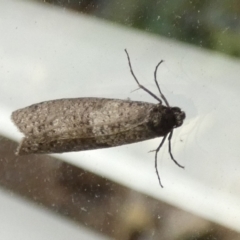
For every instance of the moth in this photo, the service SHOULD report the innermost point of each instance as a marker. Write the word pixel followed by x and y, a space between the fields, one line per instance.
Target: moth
pixel 78 124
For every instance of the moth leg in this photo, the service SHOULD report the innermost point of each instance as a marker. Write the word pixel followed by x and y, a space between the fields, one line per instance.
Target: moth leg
pixel 139 85
pixel 156 153
pixel 170 149
pixel 135 90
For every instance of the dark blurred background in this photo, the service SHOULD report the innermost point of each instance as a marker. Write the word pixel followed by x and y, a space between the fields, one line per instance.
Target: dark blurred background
pixel 212 24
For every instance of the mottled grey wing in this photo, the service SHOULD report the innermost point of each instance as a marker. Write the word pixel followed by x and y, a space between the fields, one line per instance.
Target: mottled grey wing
pixel 80 118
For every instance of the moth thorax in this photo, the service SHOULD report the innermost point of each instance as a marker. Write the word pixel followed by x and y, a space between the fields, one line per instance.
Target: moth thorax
pixel 156 115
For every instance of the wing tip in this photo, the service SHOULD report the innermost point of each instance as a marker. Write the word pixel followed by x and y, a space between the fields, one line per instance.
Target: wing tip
pixel 14 120
pixel 19 151
pixel 26 147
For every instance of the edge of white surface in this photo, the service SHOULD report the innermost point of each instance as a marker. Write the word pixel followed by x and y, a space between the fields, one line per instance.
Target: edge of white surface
pixel 38 221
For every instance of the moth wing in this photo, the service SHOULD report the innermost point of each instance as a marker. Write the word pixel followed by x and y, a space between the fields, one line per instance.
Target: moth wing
pixel 79 118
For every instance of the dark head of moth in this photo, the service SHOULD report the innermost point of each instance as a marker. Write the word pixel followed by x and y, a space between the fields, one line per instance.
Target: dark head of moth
pixel 78 124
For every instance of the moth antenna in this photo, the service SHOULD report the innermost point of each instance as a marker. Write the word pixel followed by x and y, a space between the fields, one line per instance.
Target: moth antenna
pixel 155 79
pixel 139 85
pixel 170 150
pixel 156 153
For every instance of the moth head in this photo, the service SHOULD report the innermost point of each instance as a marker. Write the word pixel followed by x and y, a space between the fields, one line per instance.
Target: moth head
pixel 179 116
